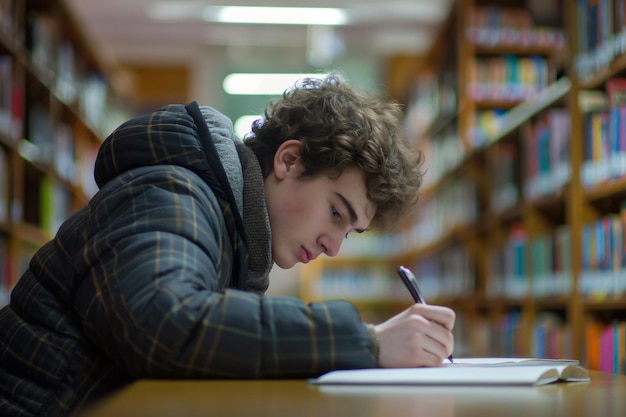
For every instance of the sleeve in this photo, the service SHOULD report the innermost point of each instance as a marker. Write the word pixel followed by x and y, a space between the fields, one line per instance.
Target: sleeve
pixel 155 298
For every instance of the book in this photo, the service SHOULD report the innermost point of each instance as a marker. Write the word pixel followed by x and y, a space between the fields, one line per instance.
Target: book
pixel 496 361
pixel 616 91
pixel 468 371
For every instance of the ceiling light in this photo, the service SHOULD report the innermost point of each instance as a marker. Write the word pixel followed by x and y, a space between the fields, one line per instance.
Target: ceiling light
pixel 173 10
pixel 263 84
pixel 412 12
pixel 276 15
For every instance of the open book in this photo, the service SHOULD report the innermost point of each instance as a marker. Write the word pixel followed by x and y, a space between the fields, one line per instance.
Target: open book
pixel 470 371
pixel 509 362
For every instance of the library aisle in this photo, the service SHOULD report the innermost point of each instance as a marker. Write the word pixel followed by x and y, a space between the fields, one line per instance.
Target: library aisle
pixel 520 110
pixel 56 105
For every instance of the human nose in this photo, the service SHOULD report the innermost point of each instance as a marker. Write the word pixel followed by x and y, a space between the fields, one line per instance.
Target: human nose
pixel 331 243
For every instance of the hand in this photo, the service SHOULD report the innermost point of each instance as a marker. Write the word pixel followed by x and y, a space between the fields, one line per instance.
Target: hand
pixel 421 335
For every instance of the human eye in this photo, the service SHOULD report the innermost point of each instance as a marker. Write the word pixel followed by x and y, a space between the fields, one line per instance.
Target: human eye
pixel 336 214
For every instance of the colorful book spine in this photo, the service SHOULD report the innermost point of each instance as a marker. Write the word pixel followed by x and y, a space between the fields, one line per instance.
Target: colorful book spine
pixel 552 337
pixel 504 168
pixel 516 283
pixel 605 138
pixel 546 147
pixel 606 346
pixel 54 204
pixel 603 258
pixel 6 95
pixel 508 78
pixel 600 27
pixel 493 25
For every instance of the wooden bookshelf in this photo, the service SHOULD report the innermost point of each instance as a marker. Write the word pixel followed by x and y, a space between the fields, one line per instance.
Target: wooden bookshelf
pixel 56 106
pixel 519 208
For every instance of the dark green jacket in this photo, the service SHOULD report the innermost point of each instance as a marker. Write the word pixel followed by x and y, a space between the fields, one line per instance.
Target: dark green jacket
pixel 152 280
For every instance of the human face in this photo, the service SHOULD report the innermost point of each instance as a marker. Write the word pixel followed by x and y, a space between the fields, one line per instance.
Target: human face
pixel 312 216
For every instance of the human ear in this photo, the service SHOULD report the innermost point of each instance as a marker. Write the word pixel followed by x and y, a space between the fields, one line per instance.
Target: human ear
pixel 286 159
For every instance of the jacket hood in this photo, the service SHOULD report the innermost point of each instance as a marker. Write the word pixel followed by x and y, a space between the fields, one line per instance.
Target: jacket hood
pixel 167 136
pixel 177 135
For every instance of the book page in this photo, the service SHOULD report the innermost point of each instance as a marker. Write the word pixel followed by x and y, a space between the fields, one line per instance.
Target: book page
pixel 509 361
pixel 459 375
pixel 573 373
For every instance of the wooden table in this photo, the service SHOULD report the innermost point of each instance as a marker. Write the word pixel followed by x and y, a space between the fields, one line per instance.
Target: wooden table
pixel 604 396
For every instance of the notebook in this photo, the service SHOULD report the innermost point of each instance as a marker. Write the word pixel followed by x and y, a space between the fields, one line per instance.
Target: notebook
pixel 468 371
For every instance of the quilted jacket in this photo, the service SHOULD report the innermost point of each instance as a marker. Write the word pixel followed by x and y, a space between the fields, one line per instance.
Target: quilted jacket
pixel 154 278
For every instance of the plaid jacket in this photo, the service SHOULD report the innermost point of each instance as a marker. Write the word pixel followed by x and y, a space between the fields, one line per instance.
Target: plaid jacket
pixel 145 282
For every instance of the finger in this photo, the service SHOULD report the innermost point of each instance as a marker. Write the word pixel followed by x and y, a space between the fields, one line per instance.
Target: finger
pixel 431 341
pixel 442 315
pixel 433 352
pixel 422 325
pixel 442 338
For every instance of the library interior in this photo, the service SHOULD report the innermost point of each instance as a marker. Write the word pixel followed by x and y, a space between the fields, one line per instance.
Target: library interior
pixel 520 226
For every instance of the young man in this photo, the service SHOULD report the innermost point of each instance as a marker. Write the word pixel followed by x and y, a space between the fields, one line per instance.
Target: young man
pixel 162 274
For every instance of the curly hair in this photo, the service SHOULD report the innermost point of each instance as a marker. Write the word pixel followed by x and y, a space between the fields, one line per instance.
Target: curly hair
pixel 341 128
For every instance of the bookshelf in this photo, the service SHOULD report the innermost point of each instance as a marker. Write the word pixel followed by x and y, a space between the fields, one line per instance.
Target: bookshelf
pixel 521 222
pixel 599 193
pixel 56 105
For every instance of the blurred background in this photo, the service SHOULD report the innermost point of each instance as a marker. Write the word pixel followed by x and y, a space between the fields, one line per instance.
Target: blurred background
pixel 176 51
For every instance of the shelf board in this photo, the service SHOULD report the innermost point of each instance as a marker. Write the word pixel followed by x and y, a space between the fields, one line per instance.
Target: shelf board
pixel 355 260
pixel 551 302
pixel 515 49
pixel 506 216
pixel 500 303
pixel 5 228
pixel 385 304
pixel 457 234
pixel 606 304
pixel 606 189
pixel 493 103
pixel 439 123
pixel 30 234
pixel 556 198
pixel 521 113
pixel 6 139
pixel 617 66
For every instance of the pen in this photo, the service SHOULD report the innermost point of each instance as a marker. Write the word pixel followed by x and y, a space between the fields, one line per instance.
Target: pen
pixel 411 284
